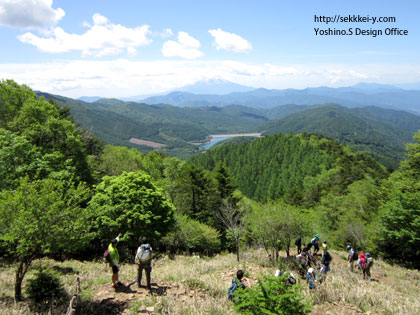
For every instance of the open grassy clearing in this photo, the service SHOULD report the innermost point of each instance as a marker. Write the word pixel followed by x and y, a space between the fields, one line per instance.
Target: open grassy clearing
pixel 188 285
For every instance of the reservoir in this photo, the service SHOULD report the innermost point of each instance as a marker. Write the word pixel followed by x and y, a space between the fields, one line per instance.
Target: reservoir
pixel 217 138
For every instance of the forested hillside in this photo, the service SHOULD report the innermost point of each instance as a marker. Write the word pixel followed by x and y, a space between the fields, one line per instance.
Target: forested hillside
pixel 381 133
pixel 291 166
pixel 116 122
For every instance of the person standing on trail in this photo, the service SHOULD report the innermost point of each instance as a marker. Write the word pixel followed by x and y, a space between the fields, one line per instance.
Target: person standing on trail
pixel 310 278
pixel 325 261
pixel 302 258
pixel 361 262
pixel 307 253
pixel 298 244
pixel 368 265
pixel 144 260
pixel 315 243
pixel 114 260
pixel 351 257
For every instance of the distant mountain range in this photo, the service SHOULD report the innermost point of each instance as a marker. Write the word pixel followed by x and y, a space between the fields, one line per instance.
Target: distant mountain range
pixel 363 94
pixel 219 92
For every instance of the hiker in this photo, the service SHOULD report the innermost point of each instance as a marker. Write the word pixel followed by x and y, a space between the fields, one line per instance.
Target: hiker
pixel 351 257
pixel 315 243
pixel 307 253
pixel 308 250
pixel 325 261
pixel 144 261
pixel 310 278
pixel 114 260
pixel 368 265
pixel 302 258
pixel 291 279
pixel 298 244
pixel 239 281
pixel 361 262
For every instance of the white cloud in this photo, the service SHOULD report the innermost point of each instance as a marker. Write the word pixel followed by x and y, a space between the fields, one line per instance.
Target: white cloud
pixel 29 13
pixel 186 47
pixel 123 78
pixel 229 41
pixel 101 39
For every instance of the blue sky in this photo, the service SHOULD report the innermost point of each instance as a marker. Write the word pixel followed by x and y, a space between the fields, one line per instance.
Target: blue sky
pixel 125 48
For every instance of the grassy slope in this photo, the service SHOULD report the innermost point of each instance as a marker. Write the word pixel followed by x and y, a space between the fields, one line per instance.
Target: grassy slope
pixel 199 286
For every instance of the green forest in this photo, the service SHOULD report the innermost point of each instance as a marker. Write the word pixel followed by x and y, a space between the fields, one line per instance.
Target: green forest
pixel 65 194
pixel 381 133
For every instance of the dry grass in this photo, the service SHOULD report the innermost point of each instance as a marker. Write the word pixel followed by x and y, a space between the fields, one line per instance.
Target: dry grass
pixel 199 286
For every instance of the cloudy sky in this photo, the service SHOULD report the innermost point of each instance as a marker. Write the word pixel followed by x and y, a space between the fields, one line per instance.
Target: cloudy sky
pixel 134 47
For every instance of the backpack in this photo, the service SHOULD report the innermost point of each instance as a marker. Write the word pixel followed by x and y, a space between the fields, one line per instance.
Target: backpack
pixel 327 258
pixel 107 256
pixel 369 262
pixel 354 257
pixel 298 241
pixel 145 254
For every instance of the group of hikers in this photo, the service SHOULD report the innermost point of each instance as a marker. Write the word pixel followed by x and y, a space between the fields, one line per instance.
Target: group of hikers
pixel 306 258
pixel 363 262
pixel 143 259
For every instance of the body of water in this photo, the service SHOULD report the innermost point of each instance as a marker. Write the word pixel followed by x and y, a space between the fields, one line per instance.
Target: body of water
pixel 217 138
pixel 214 140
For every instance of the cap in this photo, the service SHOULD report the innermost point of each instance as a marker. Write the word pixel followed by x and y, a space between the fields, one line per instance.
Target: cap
pixel 317 235
pixel 367 254
pixel 348 246
pixel 311 270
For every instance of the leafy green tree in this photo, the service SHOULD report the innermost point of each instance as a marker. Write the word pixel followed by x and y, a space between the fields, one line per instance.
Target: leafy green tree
pixel 193 236
pixel 275 225
pixel 399 237
pixel 41 218
pixel 114 160
pixel 46 125
pixel 20 158
pixel 131 204
pixel 271 295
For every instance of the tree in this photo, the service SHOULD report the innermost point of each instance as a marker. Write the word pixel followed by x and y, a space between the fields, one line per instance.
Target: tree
pixel 41 218
pixel 114 160
pixel 399 237
pixel 275 225
pixel 233 220
pixel 131 204
pixel 20 158
pixel 46 125
pixel 193 236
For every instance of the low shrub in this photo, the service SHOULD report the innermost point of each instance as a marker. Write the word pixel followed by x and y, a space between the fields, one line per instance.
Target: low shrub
pixel 271 295
pixel 45 289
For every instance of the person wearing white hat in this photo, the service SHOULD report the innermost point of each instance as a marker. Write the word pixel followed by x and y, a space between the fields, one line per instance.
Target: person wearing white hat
pixel 310 278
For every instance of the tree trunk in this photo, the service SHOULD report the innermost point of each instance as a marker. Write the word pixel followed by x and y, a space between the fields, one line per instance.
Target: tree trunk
pixel 237 249
pixel 20 274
